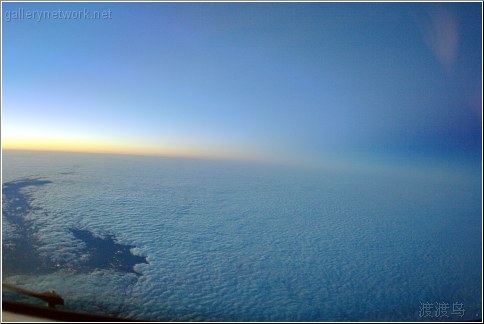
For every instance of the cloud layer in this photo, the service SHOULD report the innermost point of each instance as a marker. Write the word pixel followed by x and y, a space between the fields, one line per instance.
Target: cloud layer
pixel 228 242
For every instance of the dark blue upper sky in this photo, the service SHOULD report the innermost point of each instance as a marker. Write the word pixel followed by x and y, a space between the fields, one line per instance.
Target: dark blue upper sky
pixel 286 81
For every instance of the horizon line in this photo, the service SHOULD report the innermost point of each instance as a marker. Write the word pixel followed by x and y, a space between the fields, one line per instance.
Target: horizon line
pixel 193 157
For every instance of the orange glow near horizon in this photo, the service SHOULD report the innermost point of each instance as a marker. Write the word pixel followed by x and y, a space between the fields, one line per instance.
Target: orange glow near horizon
pixel 70 145
pixel 115 147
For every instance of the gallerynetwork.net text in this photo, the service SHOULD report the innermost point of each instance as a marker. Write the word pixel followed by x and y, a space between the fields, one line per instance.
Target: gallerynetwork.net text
pixel 39 15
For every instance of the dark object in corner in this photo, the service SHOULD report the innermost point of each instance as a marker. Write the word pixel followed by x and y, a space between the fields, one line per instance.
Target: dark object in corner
pixel 57 314
pixel 50 297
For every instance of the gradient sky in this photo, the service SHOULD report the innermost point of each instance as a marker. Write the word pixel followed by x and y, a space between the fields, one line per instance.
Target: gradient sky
pixel 277 81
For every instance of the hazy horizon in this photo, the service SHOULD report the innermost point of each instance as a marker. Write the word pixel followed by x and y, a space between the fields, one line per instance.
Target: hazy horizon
pixel 293 83
pixel 244 161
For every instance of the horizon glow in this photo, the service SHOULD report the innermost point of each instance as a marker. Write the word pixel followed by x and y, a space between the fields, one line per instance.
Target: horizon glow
pixel 303 83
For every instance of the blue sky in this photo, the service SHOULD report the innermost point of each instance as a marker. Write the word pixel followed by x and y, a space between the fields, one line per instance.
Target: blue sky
pixel 279 81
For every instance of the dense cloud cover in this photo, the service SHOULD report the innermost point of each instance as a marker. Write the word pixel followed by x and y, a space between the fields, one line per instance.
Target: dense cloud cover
pixel 226 241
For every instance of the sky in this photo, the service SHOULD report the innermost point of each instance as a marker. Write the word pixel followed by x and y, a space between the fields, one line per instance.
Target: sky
pixel 295 82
